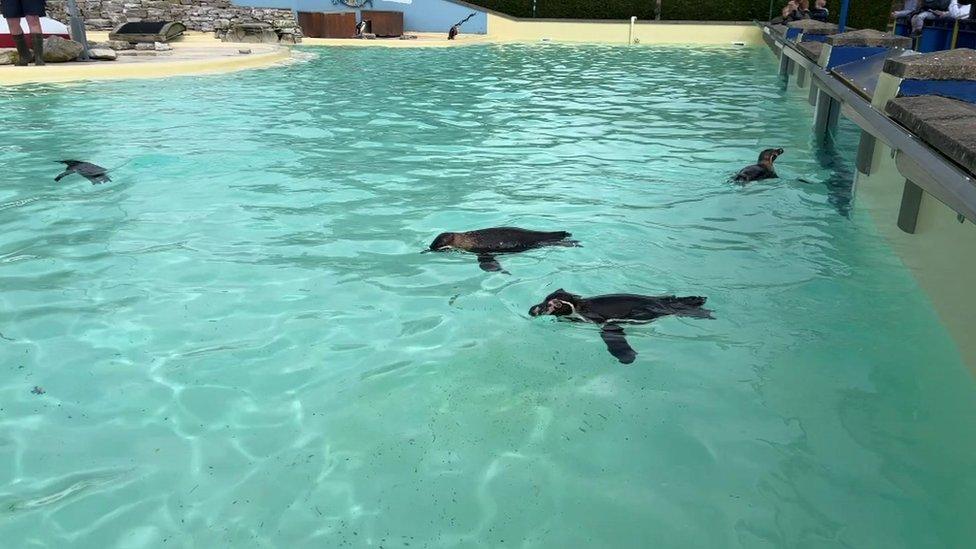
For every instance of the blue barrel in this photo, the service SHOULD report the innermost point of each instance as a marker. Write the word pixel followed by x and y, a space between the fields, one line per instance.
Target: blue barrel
pixel 967 34
pixel 937 35
pixel 903 26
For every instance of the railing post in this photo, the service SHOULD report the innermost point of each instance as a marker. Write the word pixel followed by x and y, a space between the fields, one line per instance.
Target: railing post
pixel 842 22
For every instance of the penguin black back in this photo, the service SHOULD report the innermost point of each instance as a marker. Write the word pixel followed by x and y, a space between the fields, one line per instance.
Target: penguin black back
pixel 92 172
pixel 762 169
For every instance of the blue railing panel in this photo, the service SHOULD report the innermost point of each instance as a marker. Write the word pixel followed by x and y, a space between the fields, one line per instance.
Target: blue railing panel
pixel 964 90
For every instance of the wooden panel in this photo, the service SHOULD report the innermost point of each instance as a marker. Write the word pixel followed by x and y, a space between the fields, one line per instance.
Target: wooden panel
pixel 311 23
pixel 384 23
pixel 340 25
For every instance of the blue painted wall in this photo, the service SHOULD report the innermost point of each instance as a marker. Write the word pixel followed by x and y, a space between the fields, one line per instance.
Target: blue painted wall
pixel 418 15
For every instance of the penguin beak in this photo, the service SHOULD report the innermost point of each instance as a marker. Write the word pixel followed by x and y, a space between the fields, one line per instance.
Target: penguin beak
pixel 545 308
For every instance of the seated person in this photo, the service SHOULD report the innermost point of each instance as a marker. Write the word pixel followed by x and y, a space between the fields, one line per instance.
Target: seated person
pixel 911 7
pixel 931 9
pixel 820 11
pixel 796 10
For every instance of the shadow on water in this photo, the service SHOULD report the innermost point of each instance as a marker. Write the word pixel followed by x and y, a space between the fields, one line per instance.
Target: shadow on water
pixel 840 181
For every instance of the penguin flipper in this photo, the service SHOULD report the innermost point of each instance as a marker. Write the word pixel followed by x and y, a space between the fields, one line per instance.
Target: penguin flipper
pixel 613 335
pixel 63 174
pixel 488 263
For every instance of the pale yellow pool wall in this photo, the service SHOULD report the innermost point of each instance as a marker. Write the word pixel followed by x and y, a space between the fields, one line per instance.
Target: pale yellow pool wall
pixel 507 29
pixel 941 253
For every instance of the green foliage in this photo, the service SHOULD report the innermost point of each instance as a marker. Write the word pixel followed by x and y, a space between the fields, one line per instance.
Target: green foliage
pixel 863 13
pixel 727 10
pixel 517 8
pixel 573 9
pixel 590 9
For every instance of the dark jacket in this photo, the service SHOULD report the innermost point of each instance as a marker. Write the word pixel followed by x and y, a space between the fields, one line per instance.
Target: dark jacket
pixel 819 14
pixel 798 14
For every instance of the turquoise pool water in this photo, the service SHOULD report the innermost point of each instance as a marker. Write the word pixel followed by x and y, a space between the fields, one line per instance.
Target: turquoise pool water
pixel 240 346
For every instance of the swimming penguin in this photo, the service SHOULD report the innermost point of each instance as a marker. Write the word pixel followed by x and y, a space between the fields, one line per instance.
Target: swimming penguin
pixel 610 311
pixel 763 169
pixel 91 172
pixel 496 240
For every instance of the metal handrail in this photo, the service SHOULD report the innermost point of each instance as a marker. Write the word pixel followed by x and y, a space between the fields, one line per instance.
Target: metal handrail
pixel 949 184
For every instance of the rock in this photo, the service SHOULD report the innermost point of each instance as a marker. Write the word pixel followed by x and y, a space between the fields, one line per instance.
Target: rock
pixel 870 38
pixel 258 33
pixel 812 26
pixel 947 125
pixel 160 46
pixel 197 15
pixel 145 46
pixel 117 45
pixel 957 64
pixel 134 53
pixel 811 49
pixel 8 57
pixel 102 54
pixel 242 51
pixel 60 50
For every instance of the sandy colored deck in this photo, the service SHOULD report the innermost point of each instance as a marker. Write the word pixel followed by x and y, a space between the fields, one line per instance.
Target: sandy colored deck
pixel 195 53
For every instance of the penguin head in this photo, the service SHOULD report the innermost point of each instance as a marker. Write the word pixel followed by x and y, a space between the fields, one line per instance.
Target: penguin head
pixel 558 303
pixel 70 163
pixel 770 155
pixel 444 241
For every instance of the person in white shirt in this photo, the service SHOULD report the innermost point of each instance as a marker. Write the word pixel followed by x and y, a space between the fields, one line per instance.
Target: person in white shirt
pixel 960 9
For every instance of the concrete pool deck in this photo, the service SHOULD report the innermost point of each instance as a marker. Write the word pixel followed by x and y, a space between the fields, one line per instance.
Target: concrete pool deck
pixel 195 53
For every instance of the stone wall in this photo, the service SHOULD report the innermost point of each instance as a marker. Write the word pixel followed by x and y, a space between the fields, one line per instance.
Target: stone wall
pixel 200 15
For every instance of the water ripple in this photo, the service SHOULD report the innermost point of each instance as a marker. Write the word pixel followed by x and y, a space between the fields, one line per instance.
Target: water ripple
pixel 239 344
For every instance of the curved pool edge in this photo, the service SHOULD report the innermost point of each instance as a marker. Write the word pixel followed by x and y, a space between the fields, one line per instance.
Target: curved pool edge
pixel 109 70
